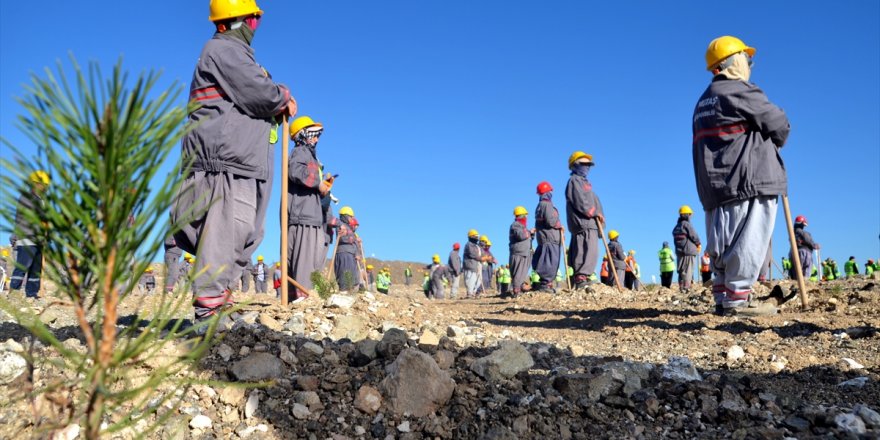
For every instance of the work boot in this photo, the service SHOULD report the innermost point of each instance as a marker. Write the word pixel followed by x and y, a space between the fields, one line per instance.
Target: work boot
pixel 719 310
pixel 754 308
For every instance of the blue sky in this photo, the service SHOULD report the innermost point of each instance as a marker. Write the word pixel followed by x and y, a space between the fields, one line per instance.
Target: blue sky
pixel 443 116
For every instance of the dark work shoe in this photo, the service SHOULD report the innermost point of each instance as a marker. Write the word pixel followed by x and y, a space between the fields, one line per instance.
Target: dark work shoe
pixel 719 310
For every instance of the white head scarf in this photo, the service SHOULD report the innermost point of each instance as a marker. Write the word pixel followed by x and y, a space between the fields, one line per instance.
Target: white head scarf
pixel 738 68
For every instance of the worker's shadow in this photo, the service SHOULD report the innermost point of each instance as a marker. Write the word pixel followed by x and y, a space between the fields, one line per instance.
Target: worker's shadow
pixel 595 320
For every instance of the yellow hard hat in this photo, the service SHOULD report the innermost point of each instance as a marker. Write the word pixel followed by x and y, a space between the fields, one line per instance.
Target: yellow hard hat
pixel 277 264
pixel 519 210
pixel 148 270
pixel 40 177
pixel 369 267
pixel 436 258
pixel 488 242
pixel 612 234
pixel 226 9
pixel 484 239
pixel 578 155
pixel 685 209
pixel 632 251
pixel 302 122
pixel 5 252
pixel 187 256
pixel 259 258
pixel 473 233
pixel 723 47
pixel 346 210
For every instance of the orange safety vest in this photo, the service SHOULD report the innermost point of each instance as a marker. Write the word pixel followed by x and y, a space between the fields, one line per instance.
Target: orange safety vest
pixel 630 263
pixel 604 271
pixel 705 266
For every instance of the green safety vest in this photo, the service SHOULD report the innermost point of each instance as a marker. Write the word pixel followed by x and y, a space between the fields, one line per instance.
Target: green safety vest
pixel 570 271
pixel 827 271
pixel 558 274
pixel 815 275
pixel 506 278
pixel 667 262
pixel 426 283
pixel 408 272
pixel 383 281
pixel 786 264
pixel 851 268
pixel 535 277
pixel 869 269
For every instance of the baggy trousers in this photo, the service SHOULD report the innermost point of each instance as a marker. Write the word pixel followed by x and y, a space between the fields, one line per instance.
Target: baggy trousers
pixel 519 271
pixel 346 264
pixel 806 256
pixel 305 254
pixel 685 269
pixel 172 271
pixel 246 280
pixel 583 253
pixel 230 213
pixel 545 261
pixel 28 263
pixel 738 234
pixel 453 287
pixel 471 282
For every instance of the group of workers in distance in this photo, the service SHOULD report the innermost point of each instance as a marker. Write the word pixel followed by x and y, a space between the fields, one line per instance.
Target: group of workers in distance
pixel 737 139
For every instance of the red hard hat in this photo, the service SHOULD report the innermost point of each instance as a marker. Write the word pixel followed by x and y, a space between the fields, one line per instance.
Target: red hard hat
pixel 544 187
pixel 456 246
pixel 800 219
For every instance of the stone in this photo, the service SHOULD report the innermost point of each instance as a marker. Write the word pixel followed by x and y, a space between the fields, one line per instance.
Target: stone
pixel 232 395
pixel 680 369
pixel 445 359
pixel 858 382
pixel 70 432
pixel 392 343
pixel 851 364
pixel 310 399
pixel 507 361
pixel 428 338
pixel 13 346
pixel 351 327
pixel 414 384
pixel 250 430
pixel 577 350
pixel 797 424
pixel 731 401
pixel 403 427
pixel 777 366
pixel 340 301
pixel 850 423
pixel 735 353
pixel 868 415
pixel 368 399
pixel 270 323
pixel 300 411
pixel 249 317
pixel 252 404
pixel 225 352
pixel 200 421
pixel 286 355
pixel 244 351
pixel 307 383
pixel 454 331
pixel 12 365
pixel 296 325
pixel 258 367
pixel 310 351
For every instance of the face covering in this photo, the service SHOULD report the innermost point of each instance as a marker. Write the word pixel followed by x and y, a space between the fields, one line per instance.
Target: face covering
pixel 546 196
pixel 241 31
pixel 581 170
pixel 739 68
pixel 522 220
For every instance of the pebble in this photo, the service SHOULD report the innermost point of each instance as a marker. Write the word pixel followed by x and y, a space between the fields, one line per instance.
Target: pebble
pixel 735 353
pixel 200 422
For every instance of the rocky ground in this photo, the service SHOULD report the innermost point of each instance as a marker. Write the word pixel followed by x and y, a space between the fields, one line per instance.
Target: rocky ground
pixel 650 364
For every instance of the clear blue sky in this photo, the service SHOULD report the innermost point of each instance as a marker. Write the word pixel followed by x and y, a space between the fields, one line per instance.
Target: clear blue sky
pixel 443 116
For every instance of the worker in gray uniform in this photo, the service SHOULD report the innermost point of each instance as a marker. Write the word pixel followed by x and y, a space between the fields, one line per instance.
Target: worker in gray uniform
pixel 549 233
pixel 346 267
pixel 306 235
pixel 687 247
pixel 737 137
pixel 520 246
pixel 454 265
pixel 618 255
pixel 473 263
pixel 805 247
pixel 229 146
pixel 29 240
pixel 437 273
pixel 583 212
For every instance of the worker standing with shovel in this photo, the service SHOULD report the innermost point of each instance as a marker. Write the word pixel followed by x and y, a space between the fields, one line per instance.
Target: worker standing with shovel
pixel 584 215
pixel 229 144
pixel 737 137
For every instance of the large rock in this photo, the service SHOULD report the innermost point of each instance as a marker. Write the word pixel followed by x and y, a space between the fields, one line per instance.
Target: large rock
pixel 270 323
pixel 871 417
pixel 12 365
pixel 351 327
pixel 505 362
pixel 850 423
pixel 415 384
pixel 340 301
pixel 296 324
pixel 257 367
pixel 680 369
pixel 392 343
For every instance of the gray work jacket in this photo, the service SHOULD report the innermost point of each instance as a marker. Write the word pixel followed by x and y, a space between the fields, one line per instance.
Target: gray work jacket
pixel 582 205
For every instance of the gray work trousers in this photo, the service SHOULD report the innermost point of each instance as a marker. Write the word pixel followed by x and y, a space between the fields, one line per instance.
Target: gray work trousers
pixel 519 272
pixel 546 262
pixel 229 214
pixel 348 275
pixel 471 282
pixel 738 235
pixel 583 253
pixel 172 259
pixel 685 269
pixel 261 286
pixel 453 287
pixel 306 253
pixel 245 280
